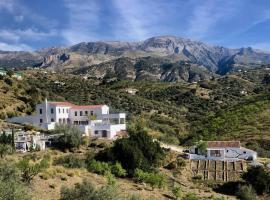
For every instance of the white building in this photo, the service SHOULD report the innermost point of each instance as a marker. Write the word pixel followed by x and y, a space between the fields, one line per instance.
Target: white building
pixel 222 150
pixel 93 120
pixel 25 142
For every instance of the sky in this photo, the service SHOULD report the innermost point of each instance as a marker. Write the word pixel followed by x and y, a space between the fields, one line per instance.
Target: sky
pixel 34 24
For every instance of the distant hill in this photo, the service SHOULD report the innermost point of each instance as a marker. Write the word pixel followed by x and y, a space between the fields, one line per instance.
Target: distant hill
pixel 95 57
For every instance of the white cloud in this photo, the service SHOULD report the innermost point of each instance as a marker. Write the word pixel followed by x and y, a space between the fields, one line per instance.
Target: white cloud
pixel 262 46
pixel 19 18
pixel 14 47
pixel 207 14
pixel 83 21
pixel 133 18
pixel 25 34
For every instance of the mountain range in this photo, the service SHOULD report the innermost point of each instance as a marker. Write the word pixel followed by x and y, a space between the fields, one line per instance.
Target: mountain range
pixel 166 58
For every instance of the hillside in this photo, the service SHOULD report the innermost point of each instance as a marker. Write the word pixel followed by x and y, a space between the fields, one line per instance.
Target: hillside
pixel 235 106
pixel 95 57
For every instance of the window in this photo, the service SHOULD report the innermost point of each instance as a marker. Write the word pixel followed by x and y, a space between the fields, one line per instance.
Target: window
pixel 96 132
pixel 80 113
pixel 67 110
pixel 63 110
pixel 52 110
pixel 92 113
pixel 104 133
pixel 40 121
pixel 215 153
pixel 52 119
pixel 60 120
pixel 40 111
pixel 59 110
pixel 86 112
pixel 244 152
pixel 75 113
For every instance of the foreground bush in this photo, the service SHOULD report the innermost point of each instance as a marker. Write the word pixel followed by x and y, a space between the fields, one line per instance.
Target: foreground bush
pixel 246 192
pixel 259 179
pixel 86 191
pixel 70 161
pixel 30 169
pixel 156 180
pixel 11 188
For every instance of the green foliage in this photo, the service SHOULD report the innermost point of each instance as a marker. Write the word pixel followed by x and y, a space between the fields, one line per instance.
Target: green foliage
pixel 86 191
pixel 246 192
pixel 155 180
pixel 5 149
pixel 202 147
pixel 71 136
pixel 30 169
pixel 258 178
pixel 118 170
pixel 190 196
pixel 137 151
pixel 10 186
pixel 99 167
pixel 177 192
pixel 70 161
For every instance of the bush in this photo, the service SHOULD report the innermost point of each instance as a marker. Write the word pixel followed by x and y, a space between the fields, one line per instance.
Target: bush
pixel 137 151
pixel 246 192
pixel 86 191
pixel 118 170
pixel 190 196
pixel 71 138
pixel 258 178
pixel 156 180
pixel 30 169
pixel 70 161
pixel 99 167
pixel 177 192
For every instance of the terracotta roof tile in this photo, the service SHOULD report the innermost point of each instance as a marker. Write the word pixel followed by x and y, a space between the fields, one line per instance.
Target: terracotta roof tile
pixel 223 144
pixel 86 107
pixel 62 103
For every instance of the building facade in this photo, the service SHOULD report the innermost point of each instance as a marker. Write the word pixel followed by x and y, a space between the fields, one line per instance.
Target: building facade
pixel 93 120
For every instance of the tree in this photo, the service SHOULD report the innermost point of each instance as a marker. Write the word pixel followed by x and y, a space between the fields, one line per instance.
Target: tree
pixel 70 136
pixel 5 149
pixel 202 147
pixel 30 169
pixel 137 151
pixel 258 178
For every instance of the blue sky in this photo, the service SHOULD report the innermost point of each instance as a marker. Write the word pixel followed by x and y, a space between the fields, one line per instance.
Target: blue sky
pixel 35 24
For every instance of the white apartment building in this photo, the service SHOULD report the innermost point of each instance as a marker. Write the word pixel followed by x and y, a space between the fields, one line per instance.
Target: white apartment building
pixel 93 120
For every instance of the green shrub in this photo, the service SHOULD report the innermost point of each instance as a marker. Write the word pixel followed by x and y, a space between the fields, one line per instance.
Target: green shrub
pixel 70 161
pixel 86 190
pixel 99 167
pixel 246 192
pixel 177 192
pixel 156 180
pixel 118 170
pixel 190 196
pixel 258 178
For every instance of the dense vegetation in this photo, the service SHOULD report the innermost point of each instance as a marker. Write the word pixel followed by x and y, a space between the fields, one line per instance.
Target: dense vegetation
pixel 235 106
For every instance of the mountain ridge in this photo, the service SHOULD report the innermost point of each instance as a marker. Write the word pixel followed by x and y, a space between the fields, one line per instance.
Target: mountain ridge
pixel 216 59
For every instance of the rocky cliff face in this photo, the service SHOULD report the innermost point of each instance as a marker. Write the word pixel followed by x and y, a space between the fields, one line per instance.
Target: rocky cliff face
pixel 212 58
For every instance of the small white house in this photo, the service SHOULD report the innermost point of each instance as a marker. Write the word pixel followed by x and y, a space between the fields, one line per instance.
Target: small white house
pixel 222 150
pixel 25 142
pixel 92 120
